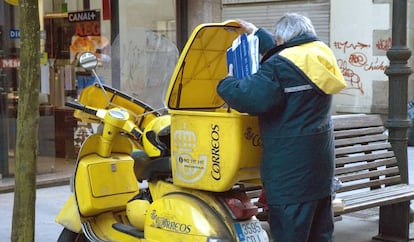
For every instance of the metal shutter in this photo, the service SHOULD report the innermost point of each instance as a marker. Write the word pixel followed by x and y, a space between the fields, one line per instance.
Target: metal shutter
pixel 266 13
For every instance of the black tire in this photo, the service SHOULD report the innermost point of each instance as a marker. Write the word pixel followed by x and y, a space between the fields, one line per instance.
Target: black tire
pixel 69 236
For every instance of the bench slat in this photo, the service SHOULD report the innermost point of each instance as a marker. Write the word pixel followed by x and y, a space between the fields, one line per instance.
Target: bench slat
pixel 368 194
pixel 356 121
pixel 340 161
pixel 362 148
pixel 361 140
pixel 340 134
pixel 254 194
pixel 365 165
pixel 390 195
pixel 368 174
pixel 371 183
pixel 376 203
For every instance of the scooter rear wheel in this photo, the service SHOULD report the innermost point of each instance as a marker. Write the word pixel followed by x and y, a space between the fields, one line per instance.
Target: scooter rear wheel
pixel 69 236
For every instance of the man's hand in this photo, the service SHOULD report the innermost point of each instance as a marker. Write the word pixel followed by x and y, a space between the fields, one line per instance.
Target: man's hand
pixel 248 27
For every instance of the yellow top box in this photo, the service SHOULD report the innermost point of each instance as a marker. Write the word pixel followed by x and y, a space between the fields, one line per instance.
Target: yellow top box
pixel 212 147
pixel 202 64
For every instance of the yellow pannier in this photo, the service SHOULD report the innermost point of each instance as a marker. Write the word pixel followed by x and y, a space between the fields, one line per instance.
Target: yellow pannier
pixel 212 147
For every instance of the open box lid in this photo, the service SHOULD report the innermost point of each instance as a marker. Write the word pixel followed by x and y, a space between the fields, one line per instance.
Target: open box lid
pixel 202 64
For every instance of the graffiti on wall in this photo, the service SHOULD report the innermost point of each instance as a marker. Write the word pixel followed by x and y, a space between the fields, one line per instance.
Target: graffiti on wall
pixel 355 60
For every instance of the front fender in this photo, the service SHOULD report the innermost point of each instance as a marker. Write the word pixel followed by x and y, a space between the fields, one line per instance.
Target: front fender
pixel 68 216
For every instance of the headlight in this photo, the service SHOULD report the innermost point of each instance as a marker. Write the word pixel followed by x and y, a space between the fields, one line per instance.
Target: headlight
pixel 118 113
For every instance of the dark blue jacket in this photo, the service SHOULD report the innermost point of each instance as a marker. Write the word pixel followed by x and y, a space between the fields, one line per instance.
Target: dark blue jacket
pixel 291 95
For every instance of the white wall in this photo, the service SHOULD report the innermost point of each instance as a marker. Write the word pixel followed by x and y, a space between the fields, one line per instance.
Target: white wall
pixel 360 36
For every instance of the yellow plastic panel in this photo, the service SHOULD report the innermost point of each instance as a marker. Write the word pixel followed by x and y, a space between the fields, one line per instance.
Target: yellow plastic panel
pixel 101 187
pixel 69 215
pixel 202 64
pixel 102 227
pixel 214 150
pixel 182 217
pixel 112 178
pixel 93 96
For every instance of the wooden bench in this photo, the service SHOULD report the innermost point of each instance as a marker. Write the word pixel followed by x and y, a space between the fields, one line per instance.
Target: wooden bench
pixel 369 172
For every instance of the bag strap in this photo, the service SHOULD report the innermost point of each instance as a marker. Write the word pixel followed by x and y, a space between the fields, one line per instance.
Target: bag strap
pixel 271 52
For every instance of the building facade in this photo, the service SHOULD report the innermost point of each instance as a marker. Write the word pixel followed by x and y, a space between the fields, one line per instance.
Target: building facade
pixel 136 34
pixel 359 33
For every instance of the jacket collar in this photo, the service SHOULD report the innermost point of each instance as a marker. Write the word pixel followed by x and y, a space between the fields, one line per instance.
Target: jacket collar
pixel 298 40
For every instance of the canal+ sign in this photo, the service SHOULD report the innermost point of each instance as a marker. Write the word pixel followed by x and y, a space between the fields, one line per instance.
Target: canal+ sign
pixel 87 22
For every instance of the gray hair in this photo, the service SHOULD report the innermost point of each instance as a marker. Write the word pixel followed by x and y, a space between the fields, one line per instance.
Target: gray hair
pixel 291 25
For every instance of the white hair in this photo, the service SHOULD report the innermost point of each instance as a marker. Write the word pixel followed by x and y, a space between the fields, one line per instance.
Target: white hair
pixel 291 25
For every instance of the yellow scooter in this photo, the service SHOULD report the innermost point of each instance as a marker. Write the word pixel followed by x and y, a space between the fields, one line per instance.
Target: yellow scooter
pixel 196 170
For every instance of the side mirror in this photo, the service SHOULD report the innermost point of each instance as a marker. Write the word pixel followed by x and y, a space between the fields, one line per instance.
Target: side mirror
pixel 88 61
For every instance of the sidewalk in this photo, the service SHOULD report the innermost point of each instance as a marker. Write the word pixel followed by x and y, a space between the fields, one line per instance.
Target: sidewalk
pixel 51 172
pixel 42 180
pixel 360 226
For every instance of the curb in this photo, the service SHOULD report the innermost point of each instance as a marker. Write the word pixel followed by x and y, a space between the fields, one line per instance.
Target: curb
pixel 42 181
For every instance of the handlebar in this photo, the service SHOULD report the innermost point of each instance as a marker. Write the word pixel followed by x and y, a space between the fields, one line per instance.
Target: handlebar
pixel 136 133
pixel 79 106
pixel 127 126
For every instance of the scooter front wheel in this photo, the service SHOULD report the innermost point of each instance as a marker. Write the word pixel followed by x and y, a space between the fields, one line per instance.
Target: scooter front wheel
pixel 69 236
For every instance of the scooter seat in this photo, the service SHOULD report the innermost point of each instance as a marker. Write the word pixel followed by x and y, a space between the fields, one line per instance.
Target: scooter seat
pixel 154 169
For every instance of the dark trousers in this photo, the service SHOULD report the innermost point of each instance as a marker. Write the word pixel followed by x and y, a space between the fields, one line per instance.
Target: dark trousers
pixel 303 222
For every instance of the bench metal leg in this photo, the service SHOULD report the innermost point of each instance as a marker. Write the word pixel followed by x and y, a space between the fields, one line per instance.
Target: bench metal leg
pixel 394 221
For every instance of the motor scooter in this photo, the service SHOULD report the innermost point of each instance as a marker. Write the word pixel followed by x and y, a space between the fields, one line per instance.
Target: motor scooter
pixel 195 170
